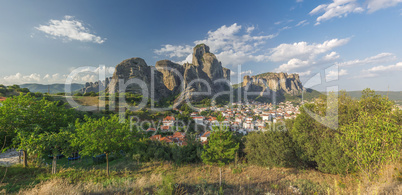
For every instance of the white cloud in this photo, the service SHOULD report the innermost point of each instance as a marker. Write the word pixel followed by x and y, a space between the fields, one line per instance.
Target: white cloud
pixel 250 29
pixel 84 76
pixel 17 78
pixel 339 8
pixel 303 50
pixel 306 73
pixel 247 72
pixel 233 45
pixel 374 5
pixel 381 70
pixel 380 58
pixel 302 23
pixel 174 50
pixel 70 29
pixel 331 56
pixel 293 64
pixel 396 67
pixel 335 74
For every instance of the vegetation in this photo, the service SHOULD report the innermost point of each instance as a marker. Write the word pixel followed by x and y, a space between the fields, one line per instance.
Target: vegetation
pixel 221 148
pixel 367 141
pixel 23 119
pixel 103 136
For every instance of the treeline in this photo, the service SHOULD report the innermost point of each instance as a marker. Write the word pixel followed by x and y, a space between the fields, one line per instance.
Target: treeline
pixel 368 136
pixel 6 90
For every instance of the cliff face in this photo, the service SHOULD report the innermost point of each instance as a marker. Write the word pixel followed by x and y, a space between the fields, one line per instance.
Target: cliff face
pixel 280 82
pixel 94 87
pixel 171 78
pixel 137 68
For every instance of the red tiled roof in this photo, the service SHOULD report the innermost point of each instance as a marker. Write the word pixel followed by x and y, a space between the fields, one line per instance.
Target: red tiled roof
pixel 178 135
pixel 2 99
pixel 155 137
pixel 166 139
pixel 206 134
pixel 169 118
pixel 165 127
pixel 151 129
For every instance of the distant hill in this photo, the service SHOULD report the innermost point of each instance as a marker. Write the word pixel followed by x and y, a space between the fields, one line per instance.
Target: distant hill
pixel 392 95
pixel 53 88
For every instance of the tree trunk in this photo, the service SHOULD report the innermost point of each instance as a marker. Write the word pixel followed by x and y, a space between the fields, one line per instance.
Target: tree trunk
pixel 54 164
pixel 220 176
pixel 25 154
pixel 107 164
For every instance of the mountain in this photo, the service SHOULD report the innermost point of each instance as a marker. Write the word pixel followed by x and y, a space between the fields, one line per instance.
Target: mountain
pixel 171 79
pixel 280 82
pixel 53 88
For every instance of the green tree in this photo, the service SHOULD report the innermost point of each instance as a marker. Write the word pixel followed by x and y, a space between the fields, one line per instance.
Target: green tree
pixel 58 143
pixel 315 144
pixel 105 135
pixel 221 148
pixel 375 138
pixel 26 116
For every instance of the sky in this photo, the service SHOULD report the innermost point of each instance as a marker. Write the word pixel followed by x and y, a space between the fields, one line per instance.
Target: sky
pixel 351 44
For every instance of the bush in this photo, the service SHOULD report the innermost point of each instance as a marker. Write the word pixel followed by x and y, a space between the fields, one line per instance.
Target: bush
pixel 38 94
pixel 270 148
pixel 78 94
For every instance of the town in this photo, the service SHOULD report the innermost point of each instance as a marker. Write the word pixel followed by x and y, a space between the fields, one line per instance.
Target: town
pixel 239 117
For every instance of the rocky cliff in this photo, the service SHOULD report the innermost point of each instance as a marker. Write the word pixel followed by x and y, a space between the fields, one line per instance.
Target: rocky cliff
pixel 140 74
pixel 280 82
pixel 94 87
pixel 171 78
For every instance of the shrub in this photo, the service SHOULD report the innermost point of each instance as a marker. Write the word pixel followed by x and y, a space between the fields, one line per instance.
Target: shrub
pixel 315 144
pixel 270 148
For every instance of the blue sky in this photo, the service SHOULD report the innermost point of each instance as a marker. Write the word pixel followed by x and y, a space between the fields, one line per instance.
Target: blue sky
pixel 355 44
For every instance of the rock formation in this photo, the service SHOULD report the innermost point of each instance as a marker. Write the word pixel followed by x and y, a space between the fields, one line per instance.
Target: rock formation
pixel 94 87
pixel 137 68
pixel 171 78
pixel 280 82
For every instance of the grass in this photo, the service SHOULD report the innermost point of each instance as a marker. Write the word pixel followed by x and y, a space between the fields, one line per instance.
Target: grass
pixel 166 178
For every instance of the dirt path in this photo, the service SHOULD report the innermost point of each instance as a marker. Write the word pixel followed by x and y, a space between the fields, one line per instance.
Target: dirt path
pixel 9 158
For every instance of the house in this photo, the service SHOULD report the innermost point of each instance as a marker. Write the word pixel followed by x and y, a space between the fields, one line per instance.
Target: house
pixel 198 119
pixel 155 137
pixel 205 136
pixel 179 135
pixel 168 121
pixel 166 139
pixel 266 117
pixel 165 128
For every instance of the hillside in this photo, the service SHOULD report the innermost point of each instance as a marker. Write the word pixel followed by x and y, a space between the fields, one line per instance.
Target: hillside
pixel 392 95
pixel 53 88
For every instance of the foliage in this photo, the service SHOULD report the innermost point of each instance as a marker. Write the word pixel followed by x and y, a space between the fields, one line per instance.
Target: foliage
pixel 21 114
pixel 221 148
pixel 315 144
pixel 189 153
pixel 105 135
pixel 375 139
pixel 270 148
